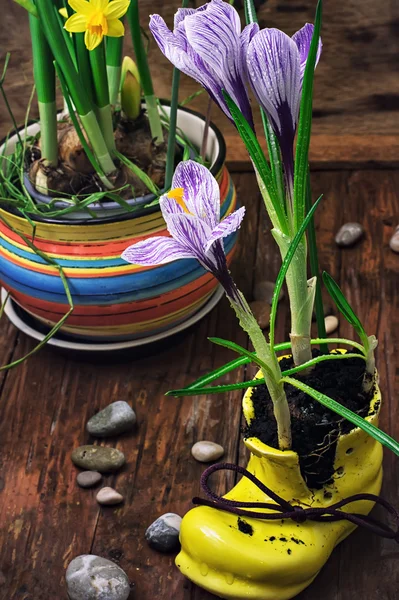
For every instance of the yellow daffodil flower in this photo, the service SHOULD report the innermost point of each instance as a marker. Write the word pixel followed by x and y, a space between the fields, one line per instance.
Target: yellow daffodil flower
pixel 63 12
pixel 97 18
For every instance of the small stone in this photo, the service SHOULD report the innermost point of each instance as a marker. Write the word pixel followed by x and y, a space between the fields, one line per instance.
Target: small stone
pixel 331 323
pixel 88 479
pixel 90 577
pixel 109 496
pixel 349 234
pixel 394 241
pixel 264 290
pixel 261 311
pixel 114 419
pixel 205 451
pixel 163 534
pixel 97 458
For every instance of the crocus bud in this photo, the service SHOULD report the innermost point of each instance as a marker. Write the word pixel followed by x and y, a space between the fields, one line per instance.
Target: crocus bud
pixel 130 89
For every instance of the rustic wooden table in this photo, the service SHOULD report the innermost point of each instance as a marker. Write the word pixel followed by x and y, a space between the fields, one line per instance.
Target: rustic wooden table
pixel 46 520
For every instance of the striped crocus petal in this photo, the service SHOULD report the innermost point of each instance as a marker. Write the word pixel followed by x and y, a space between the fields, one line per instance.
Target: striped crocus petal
pixel 176 49
pixel 275 76
pixel 215 36
pixel 201 191
pixel 226 227
pixel 189 231
pixel 155 251
pixel 206 45
pixel 303 39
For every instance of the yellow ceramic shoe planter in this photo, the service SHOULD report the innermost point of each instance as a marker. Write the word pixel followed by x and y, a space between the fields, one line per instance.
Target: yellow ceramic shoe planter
pixel 275 560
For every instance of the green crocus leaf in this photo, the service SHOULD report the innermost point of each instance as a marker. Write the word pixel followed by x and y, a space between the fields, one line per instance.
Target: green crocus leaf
pixel 344 412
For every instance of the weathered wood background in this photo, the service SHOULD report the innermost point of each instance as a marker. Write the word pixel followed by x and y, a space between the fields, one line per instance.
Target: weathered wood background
pixel 45 519
pixel 357 84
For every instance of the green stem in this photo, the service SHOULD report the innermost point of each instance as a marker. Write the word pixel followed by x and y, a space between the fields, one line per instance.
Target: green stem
pixel 84 67
pixel 154 118
pixel 101 95
pixel 315 270
pixel 48 132
pixel 44 76
pixel 170 155
pixel 114 54
pixel 99 166
pixel 76 86
pixel 301 293
pixel 99 72
pixel 268 357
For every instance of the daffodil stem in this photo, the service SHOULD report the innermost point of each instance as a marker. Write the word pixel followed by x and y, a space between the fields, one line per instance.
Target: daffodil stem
pixel 154 118
pixel 95 135
pixel 114 80
pixel 44 75
pixel 114 53
pixel 48 132
pixel 101 95
pixel 83 58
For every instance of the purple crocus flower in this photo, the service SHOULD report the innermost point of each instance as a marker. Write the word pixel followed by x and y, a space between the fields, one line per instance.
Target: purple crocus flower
pixel 208 45
pixel 192 214
pixel 276 66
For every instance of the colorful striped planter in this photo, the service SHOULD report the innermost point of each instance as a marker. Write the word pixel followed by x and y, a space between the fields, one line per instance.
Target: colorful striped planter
pixel 113 300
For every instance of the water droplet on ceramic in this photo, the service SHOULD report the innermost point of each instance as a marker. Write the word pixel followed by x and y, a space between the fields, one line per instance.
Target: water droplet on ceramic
pixel 229 578
pixel 204 569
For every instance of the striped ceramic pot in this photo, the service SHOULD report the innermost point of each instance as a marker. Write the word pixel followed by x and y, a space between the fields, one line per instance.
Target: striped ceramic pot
pixel 113 300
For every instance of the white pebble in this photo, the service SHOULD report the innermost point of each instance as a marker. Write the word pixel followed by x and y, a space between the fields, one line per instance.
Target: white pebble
pixel 394 241
pixel 331 323
pixel 205 451
pixel 109 496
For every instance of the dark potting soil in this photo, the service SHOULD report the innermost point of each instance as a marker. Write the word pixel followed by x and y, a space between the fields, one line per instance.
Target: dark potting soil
pixel 74 174
pixel 315 429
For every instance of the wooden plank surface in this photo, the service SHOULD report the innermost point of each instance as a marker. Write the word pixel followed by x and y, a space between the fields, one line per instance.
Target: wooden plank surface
pixel 46 520
pixel 356 99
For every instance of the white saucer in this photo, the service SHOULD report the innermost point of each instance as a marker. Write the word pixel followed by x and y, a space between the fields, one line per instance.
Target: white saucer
pixel 20 319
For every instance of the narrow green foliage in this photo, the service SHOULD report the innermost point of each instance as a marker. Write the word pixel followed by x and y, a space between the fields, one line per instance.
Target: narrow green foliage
pixel 315 270
pixel 192 97
pixel 284 267
pixel 258 158
pixel 153 188
pixel 344 307
pixel 196 389
pixel 243 352
pixel 305 125
pixel 344 412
